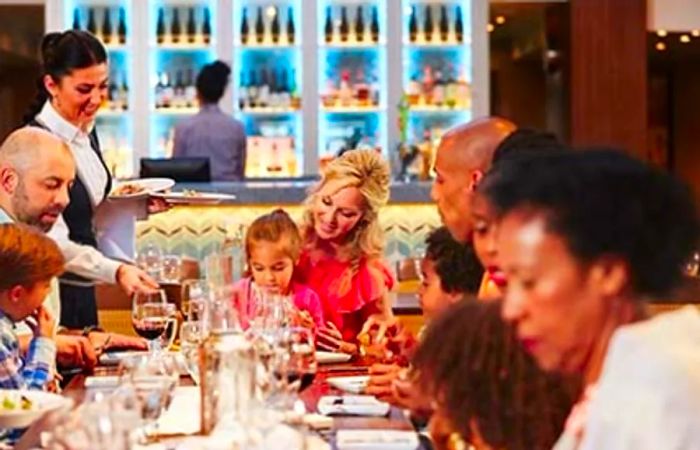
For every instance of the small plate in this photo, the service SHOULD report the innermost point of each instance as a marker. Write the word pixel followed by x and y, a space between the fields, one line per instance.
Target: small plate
pixel 41 403
pixel 146 186
pixel 354 384
pixel 376 440
pixel 332 357
pixel 198 198
pixel 352 405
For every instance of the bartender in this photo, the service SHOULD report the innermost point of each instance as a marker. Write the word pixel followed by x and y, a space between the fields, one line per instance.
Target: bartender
pixel 72 87
pixel 211 133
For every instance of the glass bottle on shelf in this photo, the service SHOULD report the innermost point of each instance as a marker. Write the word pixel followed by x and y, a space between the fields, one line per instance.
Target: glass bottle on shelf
pixel 206 27
pixel 190 90
pixel 374 26
pixel 91 24
pixel 245 28
pixel 285 96
pixel 344 26
pixel 328 26
pixel 191 26
pixel 107 27
pixel 168 91
pixel 459 25
pixel 76 19
pixel 252 90
pixel 413 25
pixel 175 28
pixel 259 26
pixel 264 89
pixel 160 26
pixel 451 90
pixel 345 94
pixel 359 25
pixel 275 26
pixel 242 93
pixel 112 95
pixel 160 87
pixel 124 94
pixel 121 27
pixel 428 26
pixel 178 91
pixel 295 99
pixel 444 24
pixel 291 29
pixel 439 89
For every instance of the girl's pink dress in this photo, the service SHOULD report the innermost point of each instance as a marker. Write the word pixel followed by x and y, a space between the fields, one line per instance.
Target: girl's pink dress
pixel 348 298
pixel 304 299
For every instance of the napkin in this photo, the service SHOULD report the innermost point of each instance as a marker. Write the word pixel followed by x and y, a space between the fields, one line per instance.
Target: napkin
pixel 376 440
pixel 355 384
pixel 355 405
pixel 182 416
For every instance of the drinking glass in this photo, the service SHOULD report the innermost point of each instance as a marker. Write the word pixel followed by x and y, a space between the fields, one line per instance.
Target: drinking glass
pixel 191 337
pixel 294 363
pixel 166 340
pixel 171 269
pixel 193 299
pixel 150 259
pixel 219 269
pixel 150 315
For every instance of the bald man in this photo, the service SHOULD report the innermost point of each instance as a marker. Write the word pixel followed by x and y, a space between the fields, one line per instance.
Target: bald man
pixel 463 157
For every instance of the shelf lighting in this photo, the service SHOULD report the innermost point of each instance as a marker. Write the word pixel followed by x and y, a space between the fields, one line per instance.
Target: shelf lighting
pixel 500 20
pixel 695 33
pixel 685 38
pixel 661 33
pixel 489 28
pixel 660 46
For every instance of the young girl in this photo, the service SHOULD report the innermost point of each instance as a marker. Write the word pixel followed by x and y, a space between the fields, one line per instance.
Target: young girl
pixel 273 246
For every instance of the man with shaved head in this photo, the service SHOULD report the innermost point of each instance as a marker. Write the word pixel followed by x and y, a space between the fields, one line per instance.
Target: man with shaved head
pixel 465 154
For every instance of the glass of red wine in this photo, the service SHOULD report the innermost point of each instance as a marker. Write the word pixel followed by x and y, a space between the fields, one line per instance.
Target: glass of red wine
pixel 150 316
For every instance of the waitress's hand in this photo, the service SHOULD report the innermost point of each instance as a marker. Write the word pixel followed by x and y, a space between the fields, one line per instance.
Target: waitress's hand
pixel 157 205
pixel 331 339
pixel 132 279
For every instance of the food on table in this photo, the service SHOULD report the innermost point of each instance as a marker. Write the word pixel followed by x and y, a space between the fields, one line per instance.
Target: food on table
pixel 191 193
pixel 128 189
pixel 11 403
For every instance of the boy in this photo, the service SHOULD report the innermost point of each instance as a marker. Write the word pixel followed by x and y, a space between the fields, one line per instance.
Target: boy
pixel 28 262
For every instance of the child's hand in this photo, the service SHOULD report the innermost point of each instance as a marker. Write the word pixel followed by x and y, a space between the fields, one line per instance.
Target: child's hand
pixel 304 319
pixel 45 324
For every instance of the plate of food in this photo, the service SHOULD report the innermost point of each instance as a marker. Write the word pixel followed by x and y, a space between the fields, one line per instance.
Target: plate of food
pixel 332 357
pixel 19 408
pixel 190 196
pixel 143 187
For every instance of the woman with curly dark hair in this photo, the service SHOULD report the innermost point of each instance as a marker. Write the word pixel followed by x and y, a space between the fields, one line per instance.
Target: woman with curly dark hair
pixel 585 240
pixel 487 390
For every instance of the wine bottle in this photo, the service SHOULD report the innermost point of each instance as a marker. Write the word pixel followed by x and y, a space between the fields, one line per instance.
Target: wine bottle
pixel 259 26
pixel 428 26
pixel 275 26
pixel 190 90
pixel 175 29
pixel 191 27
pixel 328 27
pixel 245 28
pixel 242 94
pixel 344 26
pixel 459 25
pixel 444 25
pixel 107 27
pixel 206 27
pixel 124 93
pixel 121 28
pixel 264 89
pixel 291 29
pixel 359 25
pixel 160 87
pixel 168 91
pixel 413 25
pixel 374 26
pixel 160 26
pixel 76 19
pixel 91 24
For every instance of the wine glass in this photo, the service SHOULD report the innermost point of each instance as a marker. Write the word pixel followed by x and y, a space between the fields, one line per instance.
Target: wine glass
pixel 150 259
pixel 294 361
pixel 193 299
pixel 171 270
pixel 150 315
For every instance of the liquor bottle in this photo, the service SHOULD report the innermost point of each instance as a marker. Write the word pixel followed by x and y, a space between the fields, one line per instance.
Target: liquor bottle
pixel 206 27
pixel 259 26
pixel 459 25
pixel 374 26
pixel 176 28
pixel 112 95
pixel 344 26
pixel 291 29
pixel 362 90
pixel 252 90
pixel 328 27
pixel 285 94
pixel 191 27
pixel 124 93
pixel 121 28
pixel 160 87
pixel 178 91
pixel 160 26
pixel 107 27
pixel 439 89
pixel 359 25
pixel 274 98
pixel 295 99
pixel 428 84
pixel 345 93
pixel 91 24
pixel 451 90
pixel 245 28
pixel 168 91
pixel 76 19
pixel 190 90
pixel 444 24
pixel 413 25
pixel 242 94
pixel 275 26
pixel 428 26
pixel 264 89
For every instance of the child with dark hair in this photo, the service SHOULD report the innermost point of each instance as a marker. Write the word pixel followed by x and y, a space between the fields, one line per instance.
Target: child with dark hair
pixel 487 391
pixel 211 133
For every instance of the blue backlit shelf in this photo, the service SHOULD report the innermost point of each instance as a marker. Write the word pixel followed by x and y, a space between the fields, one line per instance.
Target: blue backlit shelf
pixel 269 111
pixel 174 47
pixel 269 46
pixel 352 109
pixel 451 45
pixel 352 45
pixel 118 47
pixel 175 111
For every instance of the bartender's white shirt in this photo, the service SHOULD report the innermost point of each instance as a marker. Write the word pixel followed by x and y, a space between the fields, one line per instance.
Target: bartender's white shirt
pixel 85 260
pixel 648 396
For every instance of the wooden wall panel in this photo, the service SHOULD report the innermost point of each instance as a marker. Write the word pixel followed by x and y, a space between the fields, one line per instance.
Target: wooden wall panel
pixel 609 73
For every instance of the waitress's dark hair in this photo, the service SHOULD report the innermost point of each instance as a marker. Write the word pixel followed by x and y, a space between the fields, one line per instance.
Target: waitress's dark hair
pixel 61 54
pixel 212 80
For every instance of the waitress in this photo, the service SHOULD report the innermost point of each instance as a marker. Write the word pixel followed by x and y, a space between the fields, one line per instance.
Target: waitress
pixel 72 88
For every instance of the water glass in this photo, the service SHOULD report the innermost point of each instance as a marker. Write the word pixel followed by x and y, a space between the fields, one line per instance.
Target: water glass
pixel 193 299
pixel 219 269
pixel 192 335
pixel 171 271
pixel 150 259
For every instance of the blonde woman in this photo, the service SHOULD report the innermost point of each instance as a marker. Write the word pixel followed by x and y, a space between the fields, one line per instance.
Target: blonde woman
pixel 343 246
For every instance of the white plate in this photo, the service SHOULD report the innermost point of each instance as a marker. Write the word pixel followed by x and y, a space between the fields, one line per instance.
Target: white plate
pixel 376 440
pixel 150 186
pixel 332 357
pixel 352 405
pixel 354 384
pixel 201 198
pixel 42 402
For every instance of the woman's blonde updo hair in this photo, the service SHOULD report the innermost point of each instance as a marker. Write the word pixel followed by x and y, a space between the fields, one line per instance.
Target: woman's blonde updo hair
pixel 367 171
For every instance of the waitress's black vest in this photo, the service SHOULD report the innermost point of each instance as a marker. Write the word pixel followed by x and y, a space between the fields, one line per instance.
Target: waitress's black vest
pixel 79 213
